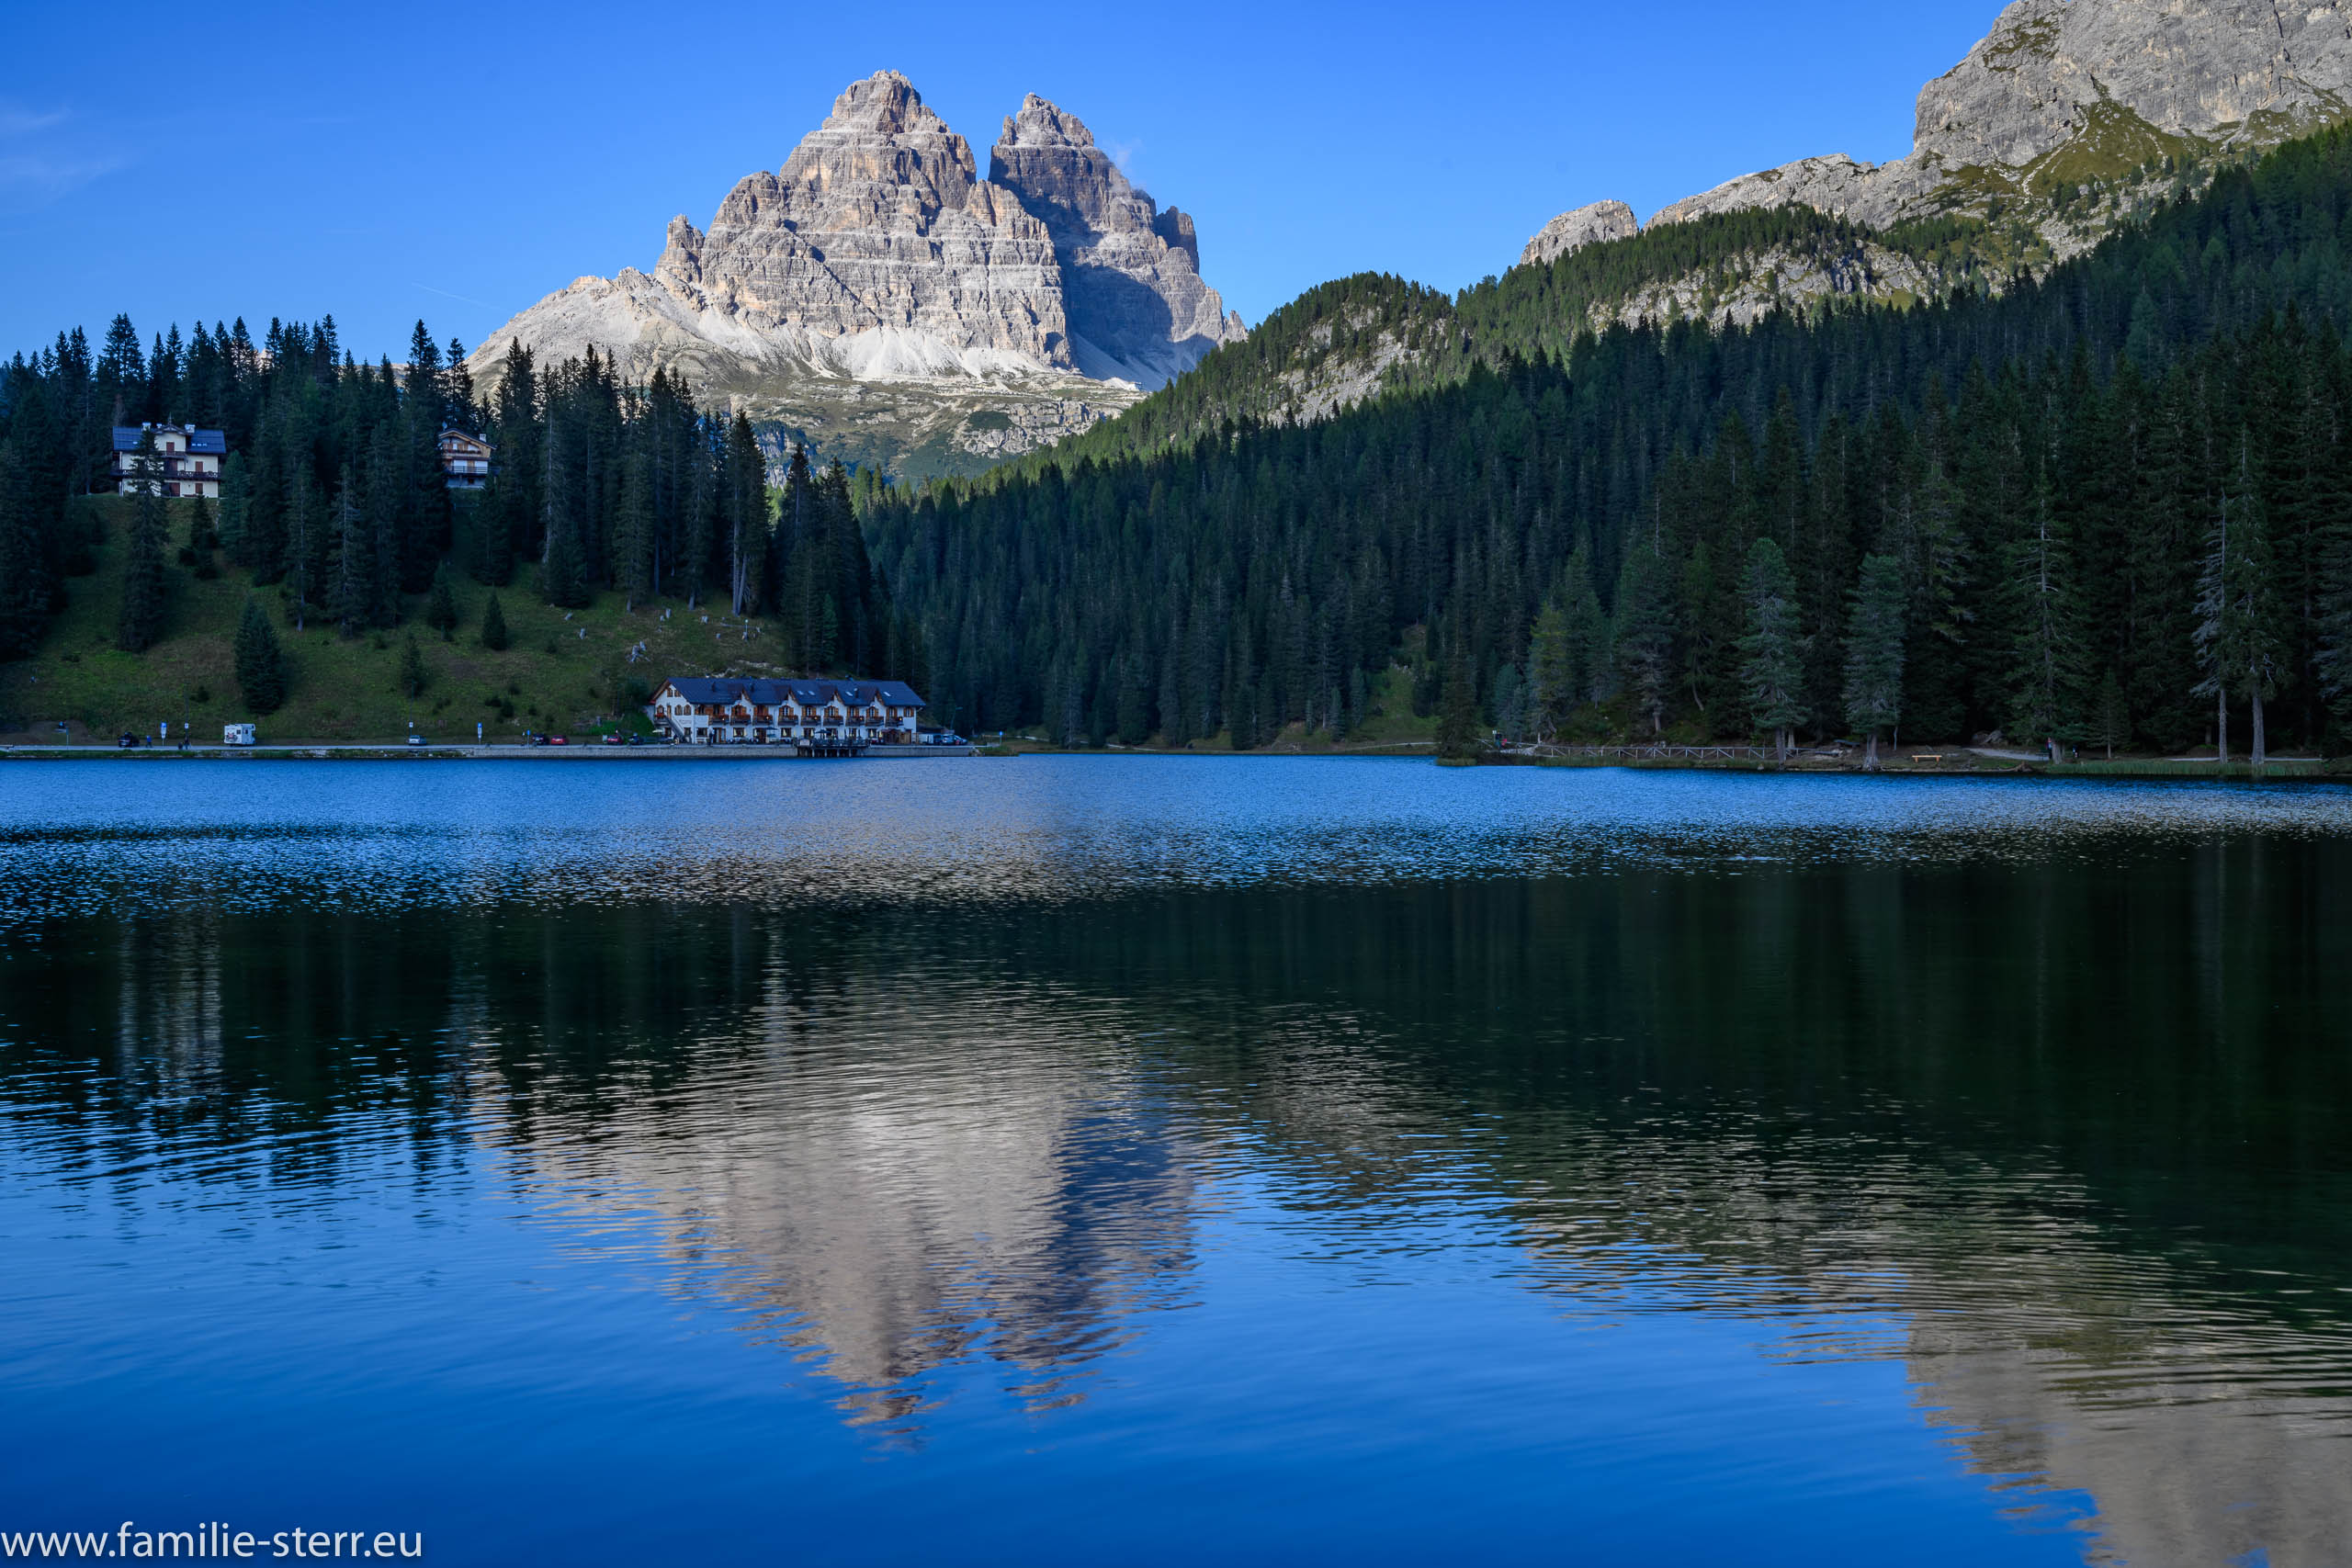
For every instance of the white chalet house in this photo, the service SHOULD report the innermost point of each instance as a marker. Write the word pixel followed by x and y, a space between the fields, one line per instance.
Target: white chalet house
pixel 714 711
pixel 186 460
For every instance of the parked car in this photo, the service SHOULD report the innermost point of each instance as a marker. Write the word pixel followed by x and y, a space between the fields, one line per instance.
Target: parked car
pixel 417 739
pixel 557 741
pixel 616 738
pixel 125 742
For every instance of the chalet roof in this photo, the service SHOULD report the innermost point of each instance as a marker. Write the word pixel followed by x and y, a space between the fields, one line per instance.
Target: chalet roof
pixel 126 436
pixel 716 691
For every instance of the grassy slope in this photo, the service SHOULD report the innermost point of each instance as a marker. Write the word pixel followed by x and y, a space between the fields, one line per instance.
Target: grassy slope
pixel 348 690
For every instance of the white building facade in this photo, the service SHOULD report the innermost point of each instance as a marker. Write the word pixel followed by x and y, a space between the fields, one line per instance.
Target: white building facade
pixel 715 711
pixel 186 460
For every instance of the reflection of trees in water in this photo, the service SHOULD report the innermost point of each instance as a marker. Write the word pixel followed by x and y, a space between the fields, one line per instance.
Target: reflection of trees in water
pixel 2037 1131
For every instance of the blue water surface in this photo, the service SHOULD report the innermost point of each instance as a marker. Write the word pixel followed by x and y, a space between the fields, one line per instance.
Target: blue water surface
pixel 1168 1160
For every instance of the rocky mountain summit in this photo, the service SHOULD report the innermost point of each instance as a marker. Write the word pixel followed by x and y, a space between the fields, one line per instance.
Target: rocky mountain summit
pixel 2066 98
pixel 878 296
pixel 1572 232
pixel 1131 275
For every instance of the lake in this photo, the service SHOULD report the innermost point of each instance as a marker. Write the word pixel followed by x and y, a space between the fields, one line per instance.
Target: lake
pixel 1168 1160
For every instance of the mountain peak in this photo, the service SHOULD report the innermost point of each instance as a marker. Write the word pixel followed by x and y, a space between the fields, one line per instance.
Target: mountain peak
pixel 877 254
pixel 1572 232
pixel 1040 122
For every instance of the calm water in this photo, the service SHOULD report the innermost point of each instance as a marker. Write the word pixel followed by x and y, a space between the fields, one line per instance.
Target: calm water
pixel 1141 1161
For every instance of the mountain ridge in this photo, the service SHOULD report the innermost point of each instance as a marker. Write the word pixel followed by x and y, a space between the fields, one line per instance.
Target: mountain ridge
pixel 2060 95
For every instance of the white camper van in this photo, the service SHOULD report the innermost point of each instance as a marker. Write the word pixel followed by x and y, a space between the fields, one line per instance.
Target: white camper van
pixel 236 735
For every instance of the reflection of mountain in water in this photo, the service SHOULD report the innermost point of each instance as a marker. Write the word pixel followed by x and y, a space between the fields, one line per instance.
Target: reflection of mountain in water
pixel 2070 1147
pixel 903 1195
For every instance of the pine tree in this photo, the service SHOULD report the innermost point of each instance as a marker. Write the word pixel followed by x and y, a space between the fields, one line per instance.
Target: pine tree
pixel 353 591
pixel 2045 665
pixel 140 624
pixel 24 576
pixel 1457 724
pixel 2240 639
pixel 441 608
pixel 201 534
pixel 413 671
pixel 305 541
pixel 1552 674
pixel 261 663
pixel 2112 720
pixel 1874 650
pixel 493 626
pixel 747 517
pixel 634 535
pixel 1772 653
pixel 2335 660
pixel 1646 633
pixel 564 578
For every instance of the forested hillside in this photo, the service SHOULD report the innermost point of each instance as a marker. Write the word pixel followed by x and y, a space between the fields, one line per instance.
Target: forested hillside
pixel 2110 504
pixel 335 511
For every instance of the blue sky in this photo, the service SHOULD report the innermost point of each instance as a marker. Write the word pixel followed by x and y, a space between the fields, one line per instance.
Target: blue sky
pixel 386 162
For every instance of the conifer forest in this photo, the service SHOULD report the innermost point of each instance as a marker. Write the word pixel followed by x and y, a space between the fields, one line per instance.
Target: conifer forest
pixel 2110 506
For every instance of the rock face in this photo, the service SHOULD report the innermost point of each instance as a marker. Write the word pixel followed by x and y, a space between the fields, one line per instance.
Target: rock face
pixel 877 224
pixel 1572 232
pixel 2067 91
pixel 878 254
pixel 1131 273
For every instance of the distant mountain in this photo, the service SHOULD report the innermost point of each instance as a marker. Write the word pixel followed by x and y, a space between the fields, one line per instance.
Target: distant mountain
pixel 2071 119
pixel 2067 118
pixel 877 298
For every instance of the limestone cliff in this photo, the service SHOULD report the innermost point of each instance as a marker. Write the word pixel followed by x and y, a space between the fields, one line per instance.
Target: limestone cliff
pixel 1572 232
pixel 1131 277
pixel 2050 120
pixel 2064 93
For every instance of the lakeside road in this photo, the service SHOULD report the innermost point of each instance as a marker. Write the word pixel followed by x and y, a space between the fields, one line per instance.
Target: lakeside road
pixel 394 750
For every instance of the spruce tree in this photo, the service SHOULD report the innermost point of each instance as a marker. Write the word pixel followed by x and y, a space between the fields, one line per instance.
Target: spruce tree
pixel 353 591
pixel 1874 650
pixel 748 525
pixel 493 626
pixel 1457 724
pixel 202 537
pixel 413 671
pixel 24 576
pixel 1552 674
pixel 2239 636
pixel 1772 653
pixel 139 625
pixel 2045 674
pixel 261 663
pixel 2334 659
pixel 633 541
pixel 441 608
pixel 1646 633
pixel 2111 718
pixel 305 542
pixel 563 579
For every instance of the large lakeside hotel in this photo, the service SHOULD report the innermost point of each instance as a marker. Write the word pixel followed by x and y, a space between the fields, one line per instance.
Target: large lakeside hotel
pixel 718 711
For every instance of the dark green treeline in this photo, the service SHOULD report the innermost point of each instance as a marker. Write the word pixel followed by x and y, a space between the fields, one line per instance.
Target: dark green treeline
pixel 2115 496
pixel 334 492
